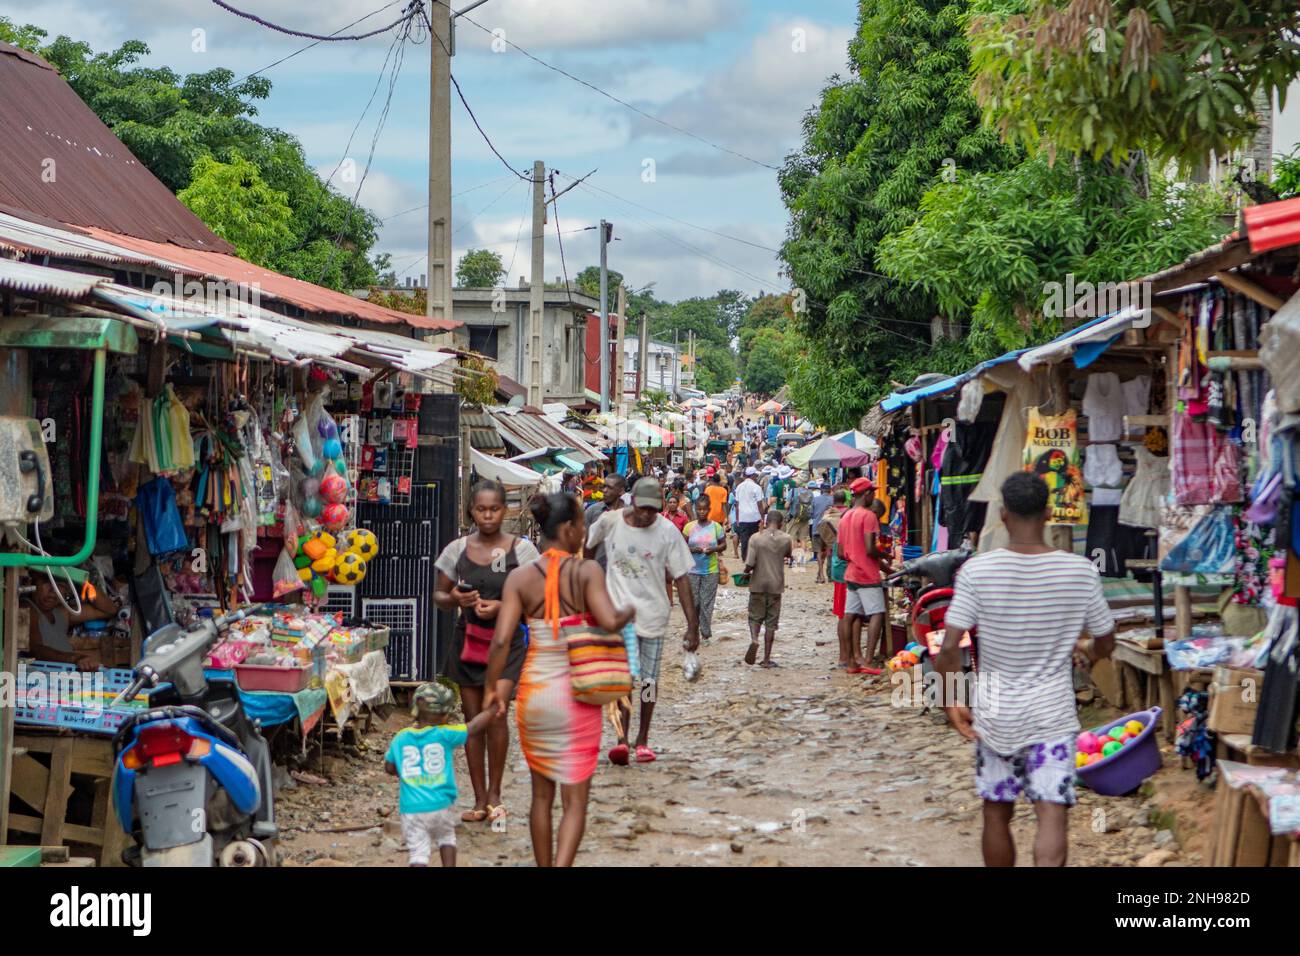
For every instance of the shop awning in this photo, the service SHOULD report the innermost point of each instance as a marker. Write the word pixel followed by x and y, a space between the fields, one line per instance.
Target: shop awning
pixel 529 431
pixel 506 472
pixel 1086 342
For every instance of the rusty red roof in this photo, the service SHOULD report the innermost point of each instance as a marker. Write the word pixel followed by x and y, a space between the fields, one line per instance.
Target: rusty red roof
pixel 272 285
pixel 63 165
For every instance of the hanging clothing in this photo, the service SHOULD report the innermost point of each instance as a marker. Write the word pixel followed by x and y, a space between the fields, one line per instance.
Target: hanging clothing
pixel 1137 399
pixel 1103 404
pixel 1205 464
pixel 963 467
pixel 1102 468
pixel 1146 492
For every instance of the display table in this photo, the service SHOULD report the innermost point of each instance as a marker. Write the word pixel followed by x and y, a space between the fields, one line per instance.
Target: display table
pixel 1256 822
pixel 273 709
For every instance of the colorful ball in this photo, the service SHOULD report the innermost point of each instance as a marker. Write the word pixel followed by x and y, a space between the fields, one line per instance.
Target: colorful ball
pixel 311 507
pixel 1113 747
pixel 333 448
pixel 325 563
pixel 1134 727
pixel 1094 758
pixel 1088 743
pixel 361 542
pixel 334 488
pixel 327 427
pixel 1126 737
pixel 1115 733
pixel 349 569
pixel 341 466
pixel 334 516
pixel 1080 759
pixel 318 466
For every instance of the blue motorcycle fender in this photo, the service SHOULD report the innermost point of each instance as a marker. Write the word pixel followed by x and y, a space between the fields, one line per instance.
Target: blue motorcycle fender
pixel 235 773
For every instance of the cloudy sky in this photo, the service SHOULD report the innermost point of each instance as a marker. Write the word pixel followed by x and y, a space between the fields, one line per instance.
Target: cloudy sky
pixel 738 73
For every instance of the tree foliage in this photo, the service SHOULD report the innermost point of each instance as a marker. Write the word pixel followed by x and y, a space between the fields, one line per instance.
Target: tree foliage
pixel 871 148
pixel 171 122
pixel 1176 78
pixel 765 365
pixel 988 246
pixel 239 207
pixel 480 269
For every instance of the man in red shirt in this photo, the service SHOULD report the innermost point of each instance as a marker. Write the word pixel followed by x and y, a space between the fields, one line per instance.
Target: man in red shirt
pixel 865 601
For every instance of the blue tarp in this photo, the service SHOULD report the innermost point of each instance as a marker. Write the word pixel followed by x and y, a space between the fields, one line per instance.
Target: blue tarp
pixel 897 400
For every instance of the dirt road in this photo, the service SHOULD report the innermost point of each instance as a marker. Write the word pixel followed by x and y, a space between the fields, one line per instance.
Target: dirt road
pixel 796 765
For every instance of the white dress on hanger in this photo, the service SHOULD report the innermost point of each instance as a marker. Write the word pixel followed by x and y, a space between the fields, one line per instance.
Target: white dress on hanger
pixel 1103 403
pixel 1145 495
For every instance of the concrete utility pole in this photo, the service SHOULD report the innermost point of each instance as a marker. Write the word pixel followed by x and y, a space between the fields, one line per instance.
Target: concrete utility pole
pixel 606 230
pixel 438 290
pixel 620 396
pixel 537 288
pixel 642 356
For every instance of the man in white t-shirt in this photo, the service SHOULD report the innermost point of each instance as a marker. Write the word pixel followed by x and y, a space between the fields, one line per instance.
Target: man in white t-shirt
pixel 1032 606
pixel 644 551
pixel 751 505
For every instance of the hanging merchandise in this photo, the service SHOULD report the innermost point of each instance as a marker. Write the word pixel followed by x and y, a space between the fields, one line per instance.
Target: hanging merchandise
pixel 1144 496
pixel 1193 740
pixel 1103 404
pixel 156 501
pixel 1209 548
pixel 1052 452
pixel 1206 468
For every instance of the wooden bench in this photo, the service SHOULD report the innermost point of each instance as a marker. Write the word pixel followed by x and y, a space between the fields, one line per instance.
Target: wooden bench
pixel 1145 681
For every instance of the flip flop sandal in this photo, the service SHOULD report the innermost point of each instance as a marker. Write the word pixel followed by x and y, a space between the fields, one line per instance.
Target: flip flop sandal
pixel 474 816
pixel 751 655
pixel 496 813
pixel 645 755
pixel 769 664
pixel 618 755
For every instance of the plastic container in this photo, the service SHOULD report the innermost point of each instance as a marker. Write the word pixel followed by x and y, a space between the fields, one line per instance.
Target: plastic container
pixel 283 680
pixel 740 580
pixel 1123 771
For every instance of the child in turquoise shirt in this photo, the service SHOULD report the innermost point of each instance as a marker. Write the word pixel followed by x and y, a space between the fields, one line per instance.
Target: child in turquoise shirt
pixel 421 758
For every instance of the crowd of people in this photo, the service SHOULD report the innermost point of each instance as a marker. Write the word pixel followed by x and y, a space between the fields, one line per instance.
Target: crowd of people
pixel 619 562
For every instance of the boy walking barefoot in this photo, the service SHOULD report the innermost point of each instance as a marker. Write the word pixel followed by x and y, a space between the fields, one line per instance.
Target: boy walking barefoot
pixel 421 759
pixel 768 551
pixel 1032 605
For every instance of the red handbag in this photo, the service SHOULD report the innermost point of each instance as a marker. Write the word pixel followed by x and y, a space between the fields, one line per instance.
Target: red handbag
pixel 478 640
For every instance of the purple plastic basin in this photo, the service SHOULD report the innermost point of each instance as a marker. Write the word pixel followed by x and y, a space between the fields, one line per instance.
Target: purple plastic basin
pixel 1124 770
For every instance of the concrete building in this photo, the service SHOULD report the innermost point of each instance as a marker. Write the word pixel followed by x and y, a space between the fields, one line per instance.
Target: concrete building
pixel 663 372
pixel 495 324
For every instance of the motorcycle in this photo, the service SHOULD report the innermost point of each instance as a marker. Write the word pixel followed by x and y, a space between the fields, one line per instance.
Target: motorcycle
pixel 928 583
pixel 192 775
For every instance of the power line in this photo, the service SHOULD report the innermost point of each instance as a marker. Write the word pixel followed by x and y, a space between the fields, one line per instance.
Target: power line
pixel 463 192
pixel 611 96
pixel 683 222
pixel 498 198
pixel 411 10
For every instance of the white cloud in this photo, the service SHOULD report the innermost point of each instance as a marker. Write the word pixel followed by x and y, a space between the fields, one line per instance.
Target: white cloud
pixel 754 105
pixel 596 24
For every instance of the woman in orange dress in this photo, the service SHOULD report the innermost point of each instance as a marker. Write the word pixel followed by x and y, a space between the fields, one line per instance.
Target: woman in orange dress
pixel 559 735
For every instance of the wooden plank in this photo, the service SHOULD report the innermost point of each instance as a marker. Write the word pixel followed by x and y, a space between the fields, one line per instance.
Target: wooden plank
pixel 93 755
pixel 56 796
pixel 9 664
pixel 1182 612
pixel 1226 843
pixel 1238 283
pixel 30 781
pixel 1254 841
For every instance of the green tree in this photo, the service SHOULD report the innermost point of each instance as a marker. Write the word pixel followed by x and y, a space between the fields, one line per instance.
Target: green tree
pixel 588 283
pixel 765 367
pixel 991 246
pixel 239 207
pixel 170 122
pixel 716 367
pixel 480 269
pixel 1176 78
pixel 764 312
pixel 904 120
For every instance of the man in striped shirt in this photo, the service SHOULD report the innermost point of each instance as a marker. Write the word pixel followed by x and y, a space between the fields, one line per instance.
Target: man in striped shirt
pixel 1032 606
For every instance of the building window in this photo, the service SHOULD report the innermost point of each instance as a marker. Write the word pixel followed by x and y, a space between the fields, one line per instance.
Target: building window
pixel 483 339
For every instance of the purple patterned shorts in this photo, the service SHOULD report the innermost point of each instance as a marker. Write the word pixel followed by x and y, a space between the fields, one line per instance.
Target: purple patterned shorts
pixel 1040 771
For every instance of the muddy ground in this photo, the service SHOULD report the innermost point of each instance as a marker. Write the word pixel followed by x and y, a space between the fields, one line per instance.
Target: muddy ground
pixel 798 765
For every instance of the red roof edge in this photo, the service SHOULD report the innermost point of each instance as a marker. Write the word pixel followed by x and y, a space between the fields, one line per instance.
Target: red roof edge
pixel 1273 225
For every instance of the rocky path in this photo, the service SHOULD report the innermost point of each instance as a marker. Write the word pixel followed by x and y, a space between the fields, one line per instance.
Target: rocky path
pixel 797 765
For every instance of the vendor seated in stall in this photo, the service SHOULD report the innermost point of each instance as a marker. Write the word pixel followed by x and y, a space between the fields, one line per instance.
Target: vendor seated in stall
pixel 52 616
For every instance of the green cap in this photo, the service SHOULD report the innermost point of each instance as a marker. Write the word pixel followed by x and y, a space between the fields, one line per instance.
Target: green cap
pixel 434 698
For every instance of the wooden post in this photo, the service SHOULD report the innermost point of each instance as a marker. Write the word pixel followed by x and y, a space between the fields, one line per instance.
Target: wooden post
pixel 1182 612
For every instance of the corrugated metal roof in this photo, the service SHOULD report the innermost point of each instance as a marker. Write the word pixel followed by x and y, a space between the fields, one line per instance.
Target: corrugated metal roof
pixel 1273 225
pixel 304 295
pixel 62 164
pixel 40 280
pixel 530 430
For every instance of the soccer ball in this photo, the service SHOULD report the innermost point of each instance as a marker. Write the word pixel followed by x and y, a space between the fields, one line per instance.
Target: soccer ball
pixel 349 569
pixel 361 542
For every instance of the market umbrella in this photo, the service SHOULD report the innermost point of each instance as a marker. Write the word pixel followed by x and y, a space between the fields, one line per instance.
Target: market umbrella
pixel 827 453
pixel 856 439
pixel 771 405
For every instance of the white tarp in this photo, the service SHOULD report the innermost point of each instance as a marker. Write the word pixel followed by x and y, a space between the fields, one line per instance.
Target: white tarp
pixel 506 472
